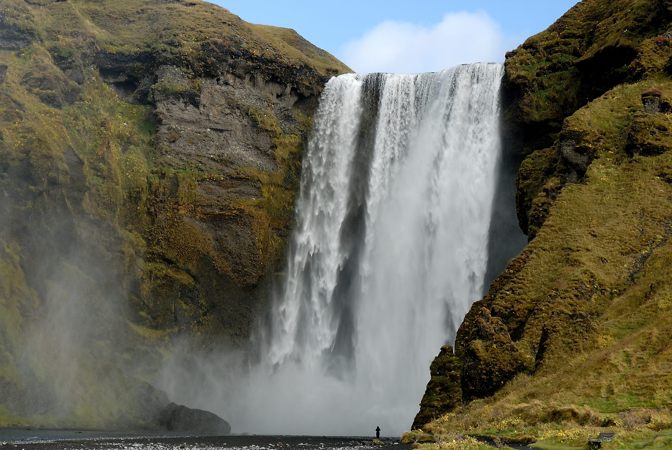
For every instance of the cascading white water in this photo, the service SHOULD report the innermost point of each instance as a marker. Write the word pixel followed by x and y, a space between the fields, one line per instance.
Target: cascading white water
pixel 390 248
pixel 388 254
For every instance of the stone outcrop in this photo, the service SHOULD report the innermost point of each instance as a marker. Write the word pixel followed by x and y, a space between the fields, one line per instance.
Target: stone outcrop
pixel 180 419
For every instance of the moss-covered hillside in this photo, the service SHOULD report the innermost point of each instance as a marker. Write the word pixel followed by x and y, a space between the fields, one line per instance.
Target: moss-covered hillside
pixel 149 157
pixel 574 338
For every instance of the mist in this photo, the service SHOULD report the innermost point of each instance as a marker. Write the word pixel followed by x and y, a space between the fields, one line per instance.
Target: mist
pixel 69 357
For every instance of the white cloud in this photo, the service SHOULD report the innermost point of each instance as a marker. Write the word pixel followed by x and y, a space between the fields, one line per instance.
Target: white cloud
pixel 460 38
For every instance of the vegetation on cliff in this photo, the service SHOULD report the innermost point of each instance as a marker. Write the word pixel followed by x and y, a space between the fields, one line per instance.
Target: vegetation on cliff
pixel 149 158
pixel 573 338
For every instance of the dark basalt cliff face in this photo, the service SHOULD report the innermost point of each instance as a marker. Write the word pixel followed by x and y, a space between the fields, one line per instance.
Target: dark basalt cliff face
pixel 575 332
pixel 149 157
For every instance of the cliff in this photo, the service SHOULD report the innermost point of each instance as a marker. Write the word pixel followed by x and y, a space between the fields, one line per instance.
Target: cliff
pixel 573 338
pixel 149 157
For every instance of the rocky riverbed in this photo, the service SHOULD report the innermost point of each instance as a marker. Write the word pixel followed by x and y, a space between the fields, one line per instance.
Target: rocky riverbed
pixel 74 440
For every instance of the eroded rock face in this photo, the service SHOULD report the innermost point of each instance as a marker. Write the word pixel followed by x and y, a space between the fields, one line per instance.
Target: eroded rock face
pixel 576 152
pixel 488 354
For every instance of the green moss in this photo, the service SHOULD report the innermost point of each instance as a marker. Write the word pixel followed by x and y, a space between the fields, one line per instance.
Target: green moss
pixel 585 305
pixel 273 213
pixel 535 188
pixel 171 28
pixel 654 56
pixel 161 271
pixel 647 439
pixel 649 134
pixel 265 120
pixel 188 89
pixel 591 49
pixel 150 334
pixel 16 14
pixel 443 392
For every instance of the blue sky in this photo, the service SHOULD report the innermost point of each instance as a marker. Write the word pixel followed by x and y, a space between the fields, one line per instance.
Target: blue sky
pixel 406 35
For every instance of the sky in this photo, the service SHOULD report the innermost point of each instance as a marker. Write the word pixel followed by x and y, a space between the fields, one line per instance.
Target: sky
pixel 407 35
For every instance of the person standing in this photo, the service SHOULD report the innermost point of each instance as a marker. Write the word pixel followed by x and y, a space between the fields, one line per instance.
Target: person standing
pixel 377 432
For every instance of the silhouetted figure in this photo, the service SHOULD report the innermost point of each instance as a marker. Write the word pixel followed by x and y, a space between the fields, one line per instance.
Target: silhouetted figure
pixel 377 432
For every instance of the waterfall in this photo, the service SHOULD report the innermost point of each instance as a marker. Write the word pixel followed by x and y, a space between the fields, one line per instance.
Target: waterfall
pixel 388 254
pixel 390 246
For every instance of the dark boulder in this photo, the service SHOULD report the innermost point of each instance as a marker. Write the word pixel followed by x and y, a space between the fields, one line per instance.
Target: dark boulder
pixel 178 418
pixel 576 152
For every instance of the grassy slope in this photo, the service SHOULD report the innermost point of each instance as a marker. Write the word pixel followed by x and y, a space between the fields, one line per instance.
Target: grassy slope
pixel 578 326
pixel 129 26
pixel 597 274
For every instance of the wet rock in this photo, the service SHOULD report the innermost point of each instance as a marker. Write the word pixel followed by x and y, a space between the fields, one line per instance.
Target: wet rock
pixel 181 419
pixel 530 318
pixel 150 403
pixel 208 190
